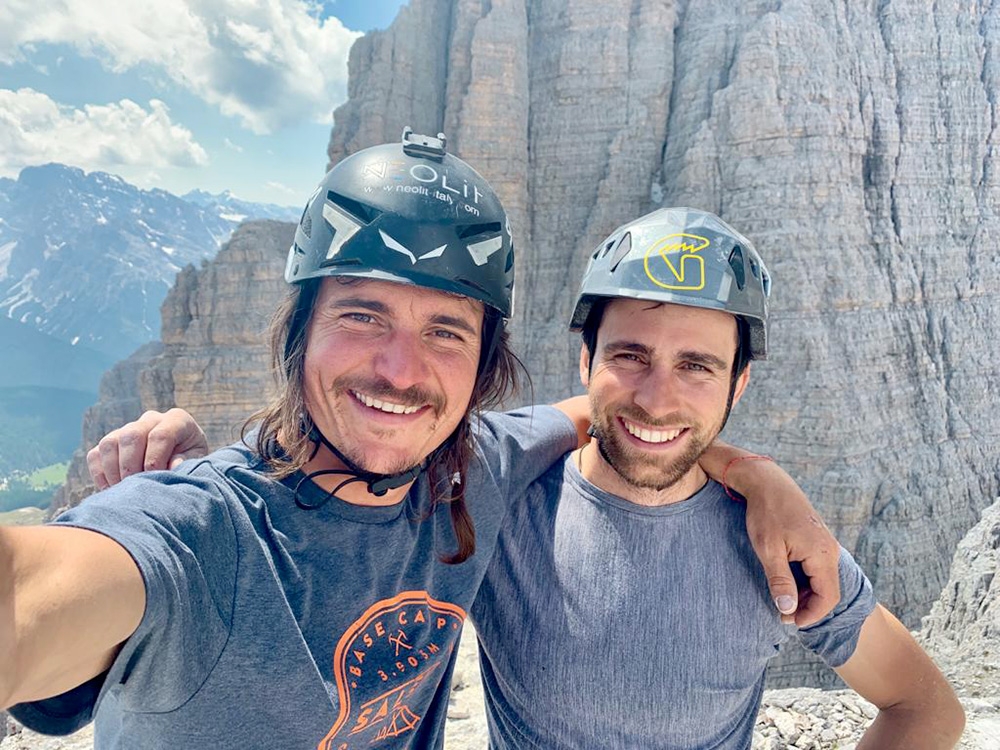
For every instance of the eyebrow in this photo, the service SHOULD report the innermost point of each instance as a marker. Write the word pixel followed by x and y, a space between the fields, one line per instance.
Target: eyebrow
pixel 380 307
pixel 688 355
pixel 362 302
pixel 627 346
pixel 702 358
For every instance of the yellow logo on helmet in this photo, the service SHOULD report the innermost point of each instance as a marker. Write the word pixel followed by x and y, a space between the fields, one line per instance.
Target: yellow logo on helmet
pixel 685 271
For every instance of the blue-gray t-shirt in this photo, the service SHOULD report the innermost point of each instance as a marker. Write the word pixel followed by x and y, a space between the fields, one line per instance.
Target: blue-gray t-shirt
pixel 604 624
pixel 271 626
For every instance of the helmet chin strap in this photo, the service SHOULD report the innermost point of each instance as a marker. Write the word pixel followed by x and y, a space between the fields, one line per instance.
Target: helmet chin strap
pixel 377 484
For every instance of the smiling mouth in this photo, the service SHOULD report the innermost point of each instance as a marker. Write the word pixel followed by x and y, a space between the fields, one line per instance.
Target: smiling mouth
pixel 385 406
pixel 653 436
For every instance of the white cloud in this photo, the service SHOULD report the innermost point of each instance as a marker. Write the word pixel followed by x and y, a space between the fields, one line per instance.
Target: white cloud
pixel 34 129
pixel 281 188
pixel 269 63
pixel 232 146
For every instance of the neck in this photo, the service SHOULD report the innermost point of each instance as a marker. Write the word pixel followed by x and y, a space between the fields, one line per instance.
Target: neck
pixel 596 470
pixel 355 493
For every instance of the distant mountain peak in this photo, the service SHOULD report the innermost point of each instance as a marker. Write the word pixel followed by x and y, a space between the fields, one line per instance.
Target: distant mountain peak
pixel 88 257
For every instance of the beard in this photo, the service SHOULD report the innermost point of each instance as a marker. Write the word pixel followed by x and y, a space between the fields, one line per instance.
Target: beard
pixel 644 470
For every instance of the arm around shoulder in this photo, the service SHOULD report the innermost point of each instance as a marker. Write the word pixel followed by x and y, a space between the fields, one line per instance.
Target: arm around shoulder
pixel 918 710
pixel 68 598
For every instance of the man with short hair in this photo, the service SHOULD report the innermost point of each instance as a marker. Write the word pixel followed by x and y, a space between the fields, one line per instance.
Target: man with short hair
pixel 593 620
pixel 307 588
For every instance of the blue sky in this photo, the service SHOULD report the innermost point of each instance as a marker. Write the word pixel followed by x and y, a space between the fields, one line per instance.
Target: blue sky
pixel 179 94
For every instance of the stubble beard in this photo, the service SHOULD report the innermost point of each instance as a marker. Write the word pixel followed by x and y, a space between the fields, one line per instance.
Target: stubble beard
pixel 642 470
pixel 341 389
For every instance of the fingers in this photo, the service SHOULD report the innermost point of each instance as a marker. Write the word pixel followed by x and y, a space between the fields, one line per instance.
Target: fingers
pixel 154 441
pixel 821 568
pixel 95 468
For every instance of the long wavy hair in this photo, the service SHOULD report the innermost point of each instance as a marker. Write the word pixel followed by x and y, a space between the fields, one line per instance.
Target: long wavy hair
pixel 501 374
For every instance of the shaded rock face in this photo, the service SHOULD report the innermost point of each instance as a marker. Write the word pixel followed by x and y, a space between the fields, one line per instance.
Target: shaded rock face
pixel 853 142
pixel 213 359
pixel 963 627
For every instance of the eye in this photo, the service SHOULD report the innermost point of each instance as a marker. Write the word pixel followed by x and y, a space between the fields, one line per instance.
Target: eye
pixel 445 334
pixel 360 317
pixel 628 358
pixel 695 367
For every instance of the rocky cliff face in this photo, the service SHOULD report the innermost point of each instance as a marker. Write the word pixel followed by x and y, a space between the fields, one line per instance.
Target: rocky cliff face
pixel 215 357
pixel 213 360
pixel 854 142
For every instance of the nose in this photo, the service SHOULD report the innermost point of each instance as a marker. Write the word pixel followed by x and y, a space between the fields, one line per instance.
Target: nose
pixel 658 394
pixel 402 360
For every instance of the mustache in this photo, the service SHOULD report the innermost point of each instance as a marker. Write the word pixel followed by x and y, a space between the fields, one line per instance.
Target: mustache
pixel 383 390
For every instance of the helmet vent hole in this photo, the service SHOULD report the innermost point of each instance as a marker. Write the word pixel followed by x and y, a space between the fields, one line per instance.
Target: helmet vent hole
pixel 475 230
pixel 307 224
pixel 600 252
pixel 736 263
pixel 363 213
pixel 622 249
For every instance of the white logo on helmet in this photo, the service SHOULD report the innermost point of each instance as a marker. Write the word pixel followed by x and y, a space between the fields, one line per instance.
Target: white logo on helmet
pixel 481 251
pixel 393 244
pixel 344 226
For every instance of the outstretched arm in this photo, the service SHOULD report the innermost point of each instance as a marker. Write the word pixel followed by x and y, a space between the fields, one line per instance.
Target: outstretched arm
pixel 783 528
pixel 917 708
pixel 68 599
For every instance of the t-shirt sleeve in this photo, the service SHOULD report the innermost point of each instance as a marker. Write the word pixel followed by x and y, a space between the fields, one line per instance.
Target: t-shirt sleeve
pixel 520 445
pixel 835 637
pixel 179 531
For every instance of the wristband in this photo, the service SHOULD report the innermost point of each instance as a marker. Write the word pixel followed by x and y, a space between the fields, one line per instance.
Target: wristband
pixel 754 457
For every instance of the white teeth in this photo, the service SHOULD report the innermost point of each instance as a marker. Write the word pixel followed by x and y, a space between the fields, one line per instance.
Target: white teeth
pixel 651 436
pixel 385 406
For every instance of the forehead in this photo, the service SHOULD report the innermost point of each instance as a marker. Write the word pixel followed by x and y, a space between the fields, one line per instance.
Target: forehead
pixel 397 296
pixel 662 323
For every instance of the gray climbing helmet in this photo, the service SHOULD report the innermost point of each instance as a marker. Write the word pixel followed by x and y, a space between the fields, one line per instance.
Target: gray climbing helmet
pixel 685 257
pixel 411 213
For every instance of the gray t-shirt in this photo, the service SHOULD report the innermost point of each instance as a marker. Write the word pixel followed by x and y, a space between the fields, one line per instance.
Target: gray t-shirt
pixel 270 626
pixel 603 624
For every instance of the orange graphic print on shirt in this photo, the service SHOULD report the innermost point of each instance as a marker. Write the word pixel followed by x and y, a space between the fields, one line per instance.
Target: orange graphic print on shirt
pixel 396 653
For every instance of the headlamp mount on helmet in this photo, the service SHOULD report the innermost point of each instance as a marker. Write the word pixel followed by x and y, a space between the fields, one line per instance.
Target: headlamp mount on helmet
pixel 424 145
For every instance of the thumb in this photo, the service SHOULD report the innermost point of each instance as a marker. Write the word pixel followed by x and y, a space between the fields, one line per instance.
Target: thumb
pixel 177 460
pixel 784 591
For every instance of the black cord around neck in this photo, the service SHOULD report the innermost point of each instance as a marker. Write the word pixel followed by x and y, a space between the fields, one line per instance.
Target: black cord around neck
pixel 377 484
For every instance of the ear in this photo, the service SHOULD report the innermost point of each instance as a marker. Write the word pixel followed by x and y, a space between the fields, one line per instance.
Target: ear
pixel 741 384
pixel 584 366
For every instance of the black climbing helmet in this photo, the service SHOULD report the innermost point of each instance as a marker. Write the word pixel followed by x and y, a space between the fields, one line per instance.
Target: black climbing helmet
pixel 408 212
pixel 685 257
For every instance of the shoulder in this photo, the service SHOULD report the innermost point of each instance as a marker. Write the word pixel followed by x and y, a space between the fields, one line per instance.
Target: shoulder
pixel 198 495
pixel 538 423
pixel 532 432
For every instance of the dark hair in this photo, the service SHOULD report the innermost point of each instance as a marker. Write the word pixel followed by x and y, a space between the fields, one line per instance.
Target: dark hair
pixel 596 314
pixel 500 375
